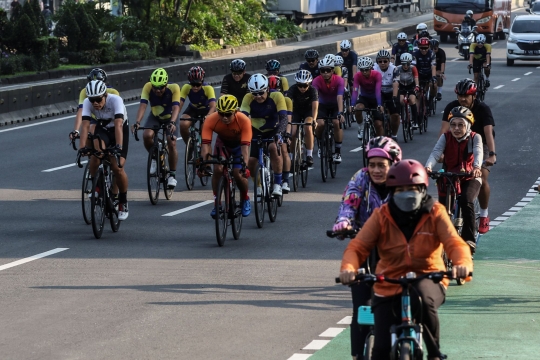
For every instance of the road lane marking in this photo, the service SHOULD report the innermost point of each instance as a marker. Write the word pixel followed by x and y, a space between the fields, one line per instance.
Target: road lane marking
pixel 529 73
pixel 63 167
pixel 204 203
pixel 516 79
pixel 493 43
pixel 331 332
pixel 347 320
pixel 357 149
pixel 498 87
pixel 456 59
pixel 32 258
pixel 316 345
pixel 300 357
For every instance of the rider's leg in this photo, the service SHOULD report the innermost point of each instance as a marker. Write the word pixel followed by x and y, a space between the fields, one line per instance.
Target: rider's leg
pixel 469 192
pixel 379 128
pixel 414 109
pixel 173 152
pixel 184 126
pixel 308 135
pixel 359 119
pixel 394 123
pixel 286 162
pixel 361 296
pixel 242 183
pixel 338 135
pixel 216 176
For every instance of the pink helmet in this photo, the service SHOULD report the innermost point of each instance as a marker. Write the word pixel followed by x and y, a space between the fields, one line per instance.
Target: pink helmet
pixel 385 147
pixel 407 172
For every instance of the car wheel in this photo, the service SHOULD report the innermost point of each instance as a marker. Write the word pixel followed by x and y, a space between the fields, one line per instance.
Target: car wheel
pixel 509 62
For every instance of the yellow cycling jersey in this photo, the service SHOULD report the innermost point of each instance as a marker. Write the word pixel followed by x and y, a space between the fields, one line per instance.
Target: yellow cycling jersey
pixel 289 104
pixel 82 94
pixel 161 105
pixel 265 115
pixel 284 84
pixel 198 99
pixel 480 53
pixel 337 70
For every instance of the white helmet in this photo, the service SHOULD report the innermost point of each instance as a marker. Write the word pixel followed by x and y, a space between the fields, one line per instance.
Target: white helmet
pixel 345 44
pixel 481 39
pixel 402 36
pixel 383 54
pixel 421 27
pixel 95 88
pixel 339 60
pixel 328 60
pixel 469 13
pixel 365 63
pixel 303 77
pixel 406 58
pixel 257 82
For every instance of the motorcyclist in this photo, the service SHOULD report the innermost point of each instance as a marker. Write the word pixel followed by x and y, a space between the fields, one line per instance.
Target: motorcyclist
pixel 468 20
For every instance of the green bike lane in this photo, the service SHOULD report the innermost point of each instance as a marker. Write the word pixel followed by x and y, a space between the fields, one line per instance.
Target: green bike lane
pixel 497 315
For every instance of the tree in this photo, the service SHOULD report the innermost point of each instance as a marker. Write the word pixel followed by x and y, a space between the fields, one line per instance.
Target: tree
pixel 40 20
pixel 89 40
pixel 26 34
pixel 67 31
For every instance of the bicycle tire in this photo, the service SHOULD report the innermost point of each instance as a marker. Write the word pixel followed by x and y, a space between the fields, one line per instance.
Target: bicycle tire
pixel 365 141
pixel 166 190
pixel 304 168
pixel 421 113
pixel 410 128
pixel 222 209
pixel 86 198
pixel 271 199
pixel 329 151
pixel 324 159
pixel 189 164
pixel 235 212
pixel 112 210
pixel 152 180
pixel 258 199
pixel 349 118
pixel 296 164
pixel 368 346
pixel 405 351
pixel 404 123
pixel 98 204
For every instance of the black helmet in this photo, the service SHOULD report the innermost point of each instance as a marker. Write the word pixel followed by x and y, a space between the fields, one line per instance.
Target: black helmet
pixel 311 54
pixel 97 74
pixel 434 43
pixel 238 65
pixel 465 87
pixel 424 33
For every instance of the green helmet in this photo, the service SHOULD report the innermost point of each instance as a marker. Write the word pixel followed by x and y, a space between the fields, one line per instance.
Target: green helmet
pixel 159 77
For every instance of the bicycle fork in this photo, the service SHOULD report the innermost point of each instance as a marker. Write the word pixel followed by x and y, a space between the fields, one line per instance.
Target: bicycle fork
pixel 408 331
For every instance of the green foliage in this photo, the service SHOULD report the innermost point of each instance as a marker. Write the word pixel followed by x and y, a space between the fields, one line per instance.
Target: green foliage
pixel 10 65
pixel 108 51
pixel 128 55
pixel 41 27
pixel 142 48
pixel 89 38
pixel 68 31
pixel 40 53
pixel 25 33
pixel 28 63
pixel 28 10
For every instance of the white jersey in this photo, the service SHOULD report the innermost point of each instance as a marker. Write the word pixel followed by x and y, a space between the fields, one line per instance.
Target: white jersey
pixel 114 106
pixel 387 78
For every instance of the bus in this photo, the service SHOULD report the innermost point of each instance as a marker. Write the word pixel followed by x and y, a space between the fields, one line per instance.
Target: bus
pixel 492 17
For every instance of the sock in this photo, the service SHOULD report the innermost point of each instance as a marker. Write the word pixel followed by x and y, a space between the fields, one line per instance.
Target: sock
pixel 309 153
pixel 277 179
pixel 483 212
pixel 338 147
pixel 122 197
pixel 414 113
pixel 245 195
pixel 172 173
pixel 290 156
pixel 439 89
pixel 285 176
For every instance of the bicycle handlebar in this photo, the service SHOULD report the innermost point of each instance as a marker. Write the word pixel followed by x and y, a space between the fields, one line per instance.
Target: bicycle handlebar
pixel 437 174
pixel 102 151
pixel 346 233
pixel 72 141
pixel 155 128
pixel 436 276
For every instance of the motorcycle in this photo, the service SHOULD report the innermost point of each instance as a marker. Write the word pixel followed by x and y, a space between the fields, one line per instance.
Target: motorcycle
pixel 466 37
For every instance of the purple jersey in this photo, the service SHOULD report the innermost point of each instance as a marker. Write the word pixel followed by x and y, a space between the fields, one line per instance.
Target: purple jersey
pixel 370 87
pixel 328 92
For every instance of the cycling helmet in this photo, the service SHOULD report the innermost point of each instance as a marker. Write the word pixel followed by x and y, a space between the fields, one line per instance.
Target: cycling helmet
pixel 461 112
pixel 95 88
pixel 311 54
pixel 327 61
pixel 257 82
pixel 196 74
pixel 407 172
pixel 402 36
pixel 345 44
pixel 420 27
pixel 424 34
pixel 385 147
pixel 339 60
pixel 481 39
pixel 365 63
pixel 469 13
pixel 406 58
pixel 303 77
pixel 423 42
pixel 274 82
pixel 434 43
pixel 238 65
pixel 272 65
pixel 97 74
pixel 465 87
pixel 159 77
pixel 227 104
pixel 382 54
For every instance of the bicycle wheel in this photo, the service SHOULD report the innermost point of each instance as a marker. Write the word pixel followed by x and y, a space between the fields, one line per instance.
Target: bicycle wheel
pixel 112 208
pixel 86 195
pixel 222 209
pixel 258 196
pixel 304 167
pixel 189 164
pixel 405 351
pixel 98 204
pixel 272 204
pixel 165 171
pixel 410 129
pixel 330 153
pixel 235 211
pixel 296 163
pixel 421 114
pixel 368 346
pixel 153 180
pixel 404 123
pixel 324 159
pixel 365 141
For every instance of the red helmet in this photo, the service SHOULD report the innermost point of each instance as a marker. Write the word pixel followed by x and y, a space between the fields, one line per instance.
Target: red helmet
pixel 196 74
pixel 465 87
pixel 424 42
pixel 274 82
pixel 407 172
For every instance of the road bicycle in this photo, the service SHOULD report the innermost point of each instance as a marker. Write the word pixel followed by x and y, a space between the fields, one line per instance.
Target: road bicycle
pixel 299 167
pixel 264 183
pixel 86 188
pixel 347 113
pixel 228 201
pixel 423 107
pixel 159 152
pixel 326 148
pixel 481 88
pixel 102 202
pixel 193 152
pixel 369 131
pixel 406 119
pixel 454 210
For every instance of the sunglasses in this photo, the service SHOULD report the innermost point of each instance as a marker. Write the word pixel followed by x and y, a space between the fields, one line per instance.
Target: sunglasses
pixel 195 84
pixel 311 60
pixel 159 87
pixel 227 114
pixel 365 70
pixel 345 50
pixel 302 86
pixel 382 61
pixel 402 40
pixel 424 48
pixel 238 73
pixel 95 99
pixel 273 72
pixel 325 70
pixel 259 93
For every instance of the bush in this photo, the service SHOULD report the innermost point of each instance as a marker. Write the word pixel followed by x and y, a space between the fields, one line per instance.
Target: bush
pixel 10 65
pixel 128 55
pixel 108 51
pixel 67 28
pixel 54 59
pixel 25 33
pixel 41 26
pixel 89 39
pixel 28 63
pixel 41 50
pixel 142 49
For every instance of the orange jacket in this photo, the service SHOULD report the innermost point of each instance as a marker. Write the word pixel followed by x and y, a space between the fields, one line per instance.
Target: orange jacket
pixel 422 254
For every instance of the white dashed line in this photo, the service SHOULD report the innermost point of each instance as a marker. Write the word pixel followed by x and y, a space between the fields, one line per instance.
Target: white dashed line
pixel 32 258
pixel 529 73
pixel 516 79
pixel 498 87
pixel 456 59
pixel 299 357
pixel 331 332
pixel 357 149
pixel 63 167
pixel 493 43
pixel 347 320
pixel 204 203
pixel 316 345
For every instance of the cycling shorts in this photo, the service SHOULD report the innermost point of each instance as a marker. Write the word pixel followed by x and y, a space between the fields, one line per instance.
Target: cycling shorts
pixel 108 136
pixel 193 112
pixel 300 116
pixel 254 151
pixel 388 101
pixel 477 65
pixel 424 78
pixel 234 151
pixel 404 89
pixel 152 121
pixel 328 110
pixel 370 103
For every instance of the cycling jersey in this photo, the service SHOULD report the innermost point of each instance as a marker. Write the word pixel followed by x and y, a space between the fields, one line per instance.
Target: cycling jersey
pixel 114 108
pixel 200 99
pixel 398 50
pixel 283 84
pixel 289 104
pixel 82 94
pixel 480 53
pixel 161 105
pixel 268 115
pixel 482 116
pixel 236 88
pixel 328 92
pixel 440 58
pixel 302 100
pixel 387 85
pixel 405 77
pixel 237 132
pixel 424 62
pixel 370 87
pixel 349 60
pixel 313 70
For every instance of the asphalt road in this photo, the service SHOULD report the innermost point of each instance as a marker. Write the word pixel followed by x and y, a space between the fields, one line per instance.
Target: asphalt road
pixel 161 287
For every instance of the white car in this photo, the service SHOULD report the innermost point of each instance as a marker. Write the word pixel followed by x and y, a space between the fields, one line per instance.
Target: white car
pixel 534 9
pixel 523 39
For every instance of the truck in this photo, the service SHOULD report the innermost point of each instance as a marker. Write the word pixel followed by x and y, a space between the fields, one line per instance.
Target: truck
pixel 492 17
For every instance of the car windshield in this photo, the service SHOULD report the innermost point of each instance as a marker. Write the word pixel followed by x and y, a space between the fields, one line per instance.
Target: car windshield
pixel 526 26
pixel 536 7
pixel 461 6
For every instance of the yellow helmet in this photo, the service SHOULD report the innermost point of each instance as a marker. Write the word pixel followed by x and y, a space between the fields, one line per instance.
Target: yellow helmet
pixel 461 112
pixel 159 77
pixel 227 104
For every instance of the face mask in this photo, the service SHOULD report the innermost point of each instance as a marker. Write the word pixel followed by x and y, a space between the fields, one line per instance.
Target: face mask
pixel 408 201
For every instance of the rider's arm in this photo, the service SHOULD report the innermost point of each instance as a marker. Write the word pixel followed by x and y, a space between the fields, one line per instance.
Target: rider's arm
pixel 436 153
pixel 378 86
pixel 433 65
pixel 175 89
pixel 445 126
pixel 360 247
pixel 355 61
pixel 340 92
pixel 314 108
pixel 490 140
pixel 284 84
pixel 356 88
pixel 225 87
pixel 471 53
pixel 78 117
pixel 415 75
pixel 351 200
pixel 118 129
pixel 245 108
pixel 246 134
pixel 478 152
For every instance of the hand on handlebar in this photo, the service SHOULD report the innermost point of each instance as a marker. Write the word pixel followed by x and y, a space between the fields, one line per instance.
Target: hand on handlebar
pixel 135 127
pixel 469 66
pixel 84 151
pixel 246 173
pixel 428 170
pixel 346 277
pixel 460 272
pixel 417 89
pixel 477 172
pixel 74 135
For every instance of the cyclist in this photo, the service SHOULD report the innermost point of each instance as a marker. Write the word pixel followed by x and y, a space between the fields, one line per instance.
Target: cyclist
pixel 272 68
pixel 409 232
pixel 440 58
pixel 234 135
pixel 426 65
pixel 311 64
pixel 235 83
pixel 463 152
pixel 365 192
pixel 331 88
pixel 401 47
pixel 344 71
pixel 420 29
pixel 107 114
pixel 268 113
pixel 202 99
pixel 480 57
pixel 350 59
pixel 367 94
pixel 386 68
pixel 468 20
pixel 305 99
pixel 483 126
pixel 406 83
pixel 164 101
